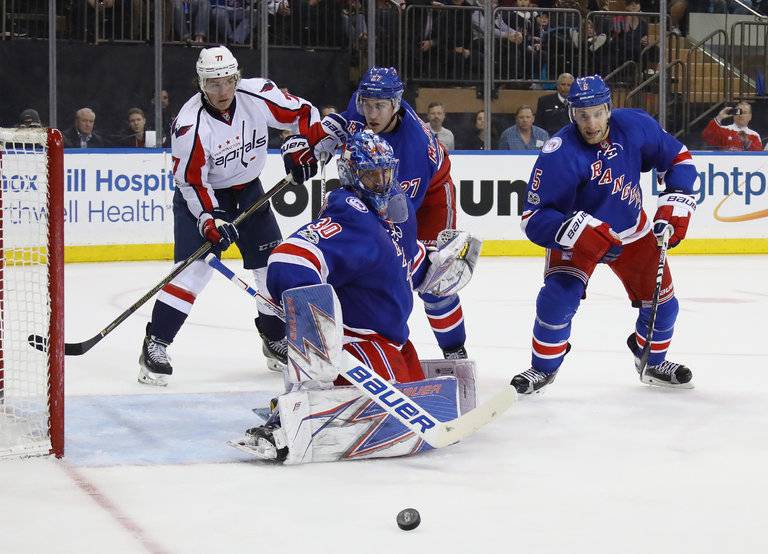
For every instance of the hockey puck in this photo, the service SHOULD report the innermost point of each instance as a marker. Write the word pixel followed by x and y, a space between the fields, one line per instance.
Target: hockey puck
pixel 408 519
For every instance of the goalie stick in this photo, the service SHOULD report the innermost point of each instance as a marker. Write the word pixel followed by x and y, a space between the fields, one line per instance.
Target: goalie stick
pixel 663 241
pixel 436 433
pixel 78 348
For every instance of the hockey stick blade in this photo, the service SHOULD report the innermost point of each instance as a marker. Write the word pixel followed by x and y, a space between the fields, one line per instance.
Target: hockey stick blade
pixel 80 348
pixel 436 433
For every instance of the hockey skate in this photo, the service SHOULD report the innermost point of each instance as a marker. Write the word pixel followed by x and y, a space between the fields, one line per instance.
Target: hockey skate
pixel 154 361
pixel 459 353
pixel 276 353
pixel 665 374
pixel 531 380
pixel 266 442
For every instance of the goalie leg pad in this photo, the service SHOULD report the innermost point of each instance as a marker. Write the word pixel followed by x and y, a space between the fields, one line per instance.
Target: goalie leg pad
pixel 342 424
pixel 465 373
pixel 313 329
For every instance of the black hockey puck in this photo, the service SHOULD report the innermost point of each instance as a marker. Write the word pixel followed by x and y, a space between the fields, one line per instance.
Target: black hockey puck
pixel 408 519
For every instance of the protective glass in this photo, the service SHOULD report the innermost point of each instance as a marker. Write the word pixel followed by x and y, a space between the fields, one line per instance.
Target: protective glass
pixel 220 84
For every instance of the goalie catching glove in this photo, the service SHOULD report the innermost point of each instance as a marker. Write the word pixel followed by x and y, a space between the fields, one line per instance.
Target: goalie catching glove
pixel 674 209
pixel 452 264
pixel 216 229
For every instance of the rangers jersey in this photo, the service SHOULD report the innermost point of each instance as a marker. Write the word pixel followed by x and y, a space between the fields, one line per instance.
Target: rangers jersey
pixel 371 264
pixel 603 179
pixel 424 163
pixel 214 150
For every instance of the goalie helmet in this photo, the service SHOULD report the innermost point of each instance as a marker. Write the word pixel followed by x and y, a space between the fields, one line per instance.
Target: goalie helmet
pixel 216 62
pixel 382 83
pixel 368 168
pixel 587 92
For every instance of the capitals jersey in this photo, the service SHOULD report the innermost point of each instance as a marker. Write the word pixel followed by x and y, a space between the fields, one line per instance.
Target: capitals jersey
pixel 214 150
pixel 603 179
pixel 424 163
pixel 369 262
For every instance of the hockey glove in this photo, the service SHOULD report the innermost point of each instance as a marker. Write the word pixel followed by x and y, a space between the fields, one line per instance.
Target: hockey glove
pixel 452 264
pixel 298 158
pixel 589 238
pixel 335 128
pixel 676 210
pixel 217 230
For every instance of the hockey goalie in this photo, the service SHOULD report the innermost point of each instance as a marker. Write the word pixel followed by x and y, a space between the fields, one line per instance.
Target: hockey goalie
pixel 345 283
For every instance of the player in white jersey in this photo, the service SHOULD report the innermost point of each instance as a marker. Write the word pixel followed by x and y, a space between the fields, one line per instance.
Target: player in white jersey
pixel 219 146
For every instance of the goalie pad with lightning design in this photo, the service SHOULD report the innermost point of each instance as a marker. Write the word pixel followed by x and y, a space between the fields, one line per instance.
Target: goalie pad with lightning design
pixel 314 334
pixel 342 424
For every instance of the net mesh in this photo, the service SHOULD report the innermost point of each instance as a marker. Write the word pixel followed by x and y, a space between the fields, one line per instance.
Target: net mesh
pixel 25 304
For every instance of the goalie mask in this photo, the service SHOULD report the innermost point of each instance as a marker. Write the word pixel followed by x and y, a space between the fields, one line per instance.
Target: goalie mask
pixel 368 167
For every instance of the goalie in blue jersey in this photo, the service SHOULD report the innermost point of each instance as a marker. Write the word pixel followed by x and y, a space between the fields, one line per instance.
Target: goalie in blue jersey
pixel 584 205
pixel 346 282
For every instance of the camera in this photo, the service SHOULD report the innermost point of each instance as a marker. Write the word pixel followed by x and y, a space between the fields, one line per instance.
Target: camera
pixel 735 111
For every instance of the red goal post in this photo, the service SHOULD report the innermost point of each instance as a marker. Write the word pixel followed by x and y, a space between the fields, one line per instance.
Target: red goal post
pixel 31 292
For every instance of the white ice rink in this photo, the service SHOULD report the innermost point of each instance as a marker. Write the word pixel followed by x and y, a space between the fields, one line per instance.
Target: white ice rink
pixel 598 464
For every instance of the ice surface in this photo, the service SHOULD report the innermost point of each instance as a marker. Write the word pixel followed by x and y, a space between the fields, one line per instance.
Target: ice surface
pixel 598 464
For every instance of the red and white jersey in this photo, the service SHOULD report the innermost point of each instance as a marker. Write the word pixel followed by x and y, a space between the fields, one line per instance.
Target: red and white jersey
pixel 214 150
pixel 731 137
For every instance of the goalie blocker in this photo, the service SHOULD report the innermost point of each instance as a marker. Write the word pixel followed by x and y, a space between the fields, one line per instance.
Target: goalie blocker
pixel 316 421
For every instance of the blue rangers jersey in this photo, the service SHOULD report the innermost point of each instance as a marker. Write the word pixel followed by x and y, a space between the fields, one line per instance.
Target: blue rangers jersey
pixel 371 264
pixel 424 163
pixel 603 179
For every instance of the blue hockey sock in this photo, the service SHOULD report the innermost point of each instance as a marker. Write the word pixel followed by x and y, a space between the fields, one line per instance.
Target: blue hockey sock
pixel 663 328
pixel 446 319
pixel 556 305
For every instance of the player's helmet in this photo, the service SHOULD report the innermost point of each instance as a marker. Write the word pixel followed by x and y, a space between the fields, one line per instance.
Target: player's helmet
pixel 380 82
pixel 368 167
pixel 215 62
pixel 589 91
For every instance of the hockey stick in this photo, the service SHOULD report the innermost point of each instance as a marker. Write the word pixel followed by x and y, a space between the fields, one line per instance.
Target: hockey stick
pixel 436 433
pixel 663 241
pixel 79 348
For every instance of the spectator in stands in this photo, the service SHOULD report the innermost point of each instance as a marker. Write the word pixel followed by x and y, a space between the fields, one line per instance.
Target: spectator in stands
pixel 551 110
pixel 476 140
pixel 191 18
pixel 523 135
pixel 507 43
pixel 82 134
pixel 29 118
pixel 447 47
pixel 737 135
pixel 231 21
pixel 436 116
pixel 632 33
pixel 137 123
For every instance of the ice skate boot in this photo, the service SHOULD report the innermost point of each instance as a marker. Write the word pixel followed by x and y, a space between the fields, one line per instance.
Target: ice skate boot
pixel 531 380
pixel 267 442
pixel 154 361
pixel 665 374
pixel 458 353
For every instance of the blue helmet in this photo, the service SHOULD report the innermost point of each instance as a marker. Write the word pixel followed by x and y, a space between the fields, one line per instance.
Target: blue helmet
pixel 368 167
pixel 589 91
pixel 380 82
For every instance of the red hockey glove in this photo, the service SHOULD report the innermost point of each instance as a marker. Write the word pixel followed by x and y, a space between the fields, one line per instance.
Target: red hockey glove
pixel 676 210
pixel 217 230
pixel 588 237
pixel 298 158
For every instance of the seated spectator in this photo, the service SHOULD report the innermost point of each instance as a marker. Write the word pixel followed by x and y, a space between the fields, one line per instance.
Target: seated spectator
pixel 137 123
pixel 523 135
pixel 191 17
pixel 476 141
pixel 737 135
pixel 29 118
pixel 551 110
pixel 231 21
pixel 436 116
pixel 447 47
pixel 507 43
pixel 82 135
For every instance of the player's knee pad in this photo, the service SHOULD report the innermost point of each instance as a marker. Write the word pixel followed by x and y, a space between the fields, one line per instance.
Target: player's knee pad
pixel 314 333
pixel 194 278
pixel 559 299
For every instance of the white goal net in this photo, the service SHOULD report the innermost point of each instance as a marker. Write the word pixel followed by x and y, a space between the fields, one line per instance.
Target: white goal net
pixel 31 379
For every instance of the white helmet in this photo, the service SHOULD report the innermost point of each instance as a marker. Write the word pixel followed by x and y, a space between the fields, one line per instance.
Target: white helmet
pixel 215 62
